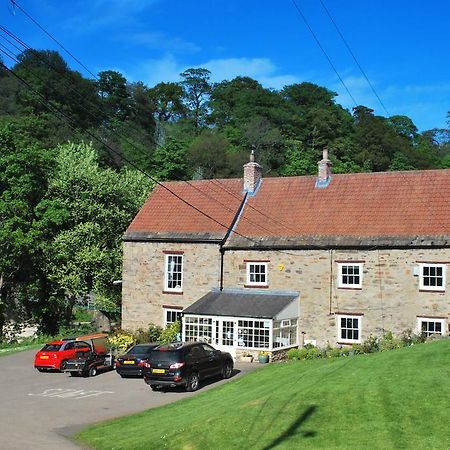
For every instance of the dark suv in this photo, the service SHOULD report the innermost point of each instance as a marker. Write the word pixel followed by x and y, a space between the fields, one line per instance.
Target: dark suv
pixel 185 364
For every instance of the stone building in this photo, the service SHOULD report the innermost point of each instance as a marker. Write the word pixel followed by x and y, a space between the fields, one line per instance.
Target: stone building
pixel 272 263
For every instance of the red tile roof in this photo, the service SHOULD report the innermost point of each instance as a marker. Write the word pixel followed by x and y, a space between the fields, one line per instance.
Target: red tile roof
pixel 387 204
pixel 165 215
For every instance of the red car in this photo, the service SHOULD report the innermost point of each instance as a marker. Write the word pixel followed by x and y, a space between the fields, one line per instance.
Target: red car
pixel 54 355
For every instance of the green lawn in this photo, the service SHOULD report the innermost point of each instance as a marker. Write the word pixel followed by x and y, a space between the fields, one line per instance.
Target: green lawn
pixel 17 348
pixel 393 400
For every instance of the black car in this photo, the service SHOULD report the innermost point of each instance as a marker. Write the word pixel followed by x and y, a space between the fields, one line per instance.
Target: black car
pixel 185 364
pixel 132 362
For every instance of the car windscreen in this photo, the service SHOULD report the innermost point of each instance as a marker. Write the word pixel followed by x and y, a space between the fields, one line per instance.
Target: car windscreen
pixel 165 356
pixel 141 349
pixel 51 348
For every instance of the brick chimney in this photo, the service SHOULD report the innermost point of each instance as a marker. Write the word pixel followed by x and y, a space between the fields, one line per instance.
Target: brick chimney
pixel 252 175
pixel 324 176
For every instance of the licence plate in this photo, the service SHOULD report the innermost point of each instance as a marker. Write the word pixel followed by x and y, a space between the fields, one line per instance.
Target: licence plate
pixel 158 371
pixel 128 362
pixel 43 357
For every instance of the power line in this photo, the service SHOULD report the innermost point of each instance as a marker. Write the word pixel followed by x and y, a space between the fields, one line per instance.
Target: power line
pixel 132 144
pixel 258 210
pixel 69 120
pixel 71 86
pixel 113 131
pixel 323 50
pixel 217 182
pixel 353 56
pixel 36 54
pixel 54 39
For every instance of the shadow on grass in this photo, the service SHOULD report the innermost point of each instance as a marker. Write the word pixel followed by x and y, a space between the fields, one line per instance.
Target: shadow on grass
pixel 293 429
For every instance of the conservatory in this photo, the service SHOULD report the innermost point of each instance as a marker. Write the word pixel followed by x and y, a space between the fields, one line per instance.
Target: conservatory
pixel 233 320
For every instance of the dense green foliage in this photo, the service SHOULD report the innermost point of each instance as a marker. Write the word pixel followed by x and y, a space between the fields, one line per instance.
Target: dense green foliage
pixel 64 207
pixel 387 400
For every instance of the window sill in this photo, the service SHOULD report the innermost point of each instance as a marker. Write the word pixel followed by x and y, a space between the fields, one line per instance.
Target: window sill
pixel 433 290
pixel 345 288
pixel 257 286
pixel 173 292
pixel 348 342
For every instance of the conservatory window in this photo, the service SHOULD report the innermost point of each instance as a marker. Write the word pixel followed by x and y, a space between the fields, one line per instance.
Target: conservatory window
pixel 254 333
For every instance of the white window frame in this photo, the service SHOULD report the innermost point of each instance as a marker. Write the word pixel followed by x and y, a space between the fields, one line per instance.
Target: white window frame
pixel 177 312
pixel 424 287
pixel 443 323
pixel 359 328
pixel 257 283
pixel 166 272
pixel 340 282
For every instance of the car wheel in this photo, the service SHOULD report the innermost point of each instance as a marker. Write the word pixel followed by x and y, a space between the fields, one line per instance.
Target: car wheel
pixel 193 382
pixel 154 387
pixel 227 370
pixel 40 369
pixel 92 371
pixel 63 366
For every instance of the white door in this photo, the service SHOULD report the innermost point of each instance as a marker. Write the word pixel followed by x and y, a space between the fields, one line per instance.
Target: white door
pixel 225 335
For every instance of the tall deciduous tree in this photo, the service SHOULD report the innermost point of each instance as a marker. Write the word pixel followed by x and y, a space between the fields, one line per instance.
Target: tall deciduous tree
pixel 87 209
pixel 197 88
pixel 23 170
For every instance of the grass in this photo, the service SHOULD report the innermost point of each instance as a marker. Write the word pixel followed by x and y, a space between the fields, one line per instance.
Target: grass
pixel 391 400
pixel 14 348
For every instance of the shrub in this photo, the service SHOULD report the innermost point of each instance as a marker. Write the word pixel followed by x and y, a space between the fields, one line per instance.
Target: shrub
pixel 297 353
pixel 151 334
pixel 371 345
pixel 389 342
pixel 408 337
pixel 121 340
pixel 293 354
pixel 313 353
pixel 170 333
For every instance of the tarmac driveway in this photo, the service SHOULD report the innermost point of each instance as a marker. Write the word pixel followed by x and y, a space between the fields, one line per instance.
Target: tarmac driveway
pixel 39 410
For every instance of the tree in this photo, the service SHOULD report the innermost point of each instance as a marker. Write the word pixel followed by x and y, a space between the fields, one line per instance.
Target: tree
pixel 375 140
pixel 170 161
pixel 167 100
pixel 208 155
pixel 54 83
pixel 115 97
pixel 196 86
pixel 23 170
pixel 81 219
pixel 308 95
pixel 298 160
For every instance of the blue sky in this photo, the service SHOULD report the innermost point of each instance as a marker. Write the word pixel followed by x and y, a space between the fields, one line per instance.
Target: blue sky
pixel 402 45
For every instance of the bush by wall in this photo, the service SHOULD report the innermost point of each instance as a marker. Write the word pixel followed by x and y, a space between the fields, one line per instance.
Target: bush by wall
pixel 371 345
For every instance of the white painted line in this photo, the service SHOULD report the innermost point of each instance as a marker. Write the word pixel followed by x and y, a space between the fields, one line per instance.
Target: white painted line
pixel 76 394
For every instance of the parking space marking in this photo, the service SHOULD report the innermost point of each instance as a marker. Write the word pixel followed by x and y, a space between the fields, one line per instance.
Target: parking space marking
pixel 75 394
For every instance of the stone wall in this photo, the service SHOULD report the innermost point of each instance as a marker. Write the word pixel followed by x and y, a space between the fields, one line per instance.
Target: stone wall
pixel 389 300
pixel 143 280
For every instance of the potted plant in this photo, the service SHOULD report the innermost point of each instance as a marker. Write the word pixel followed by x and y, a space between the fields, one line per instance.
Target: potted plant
pixel 263 357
